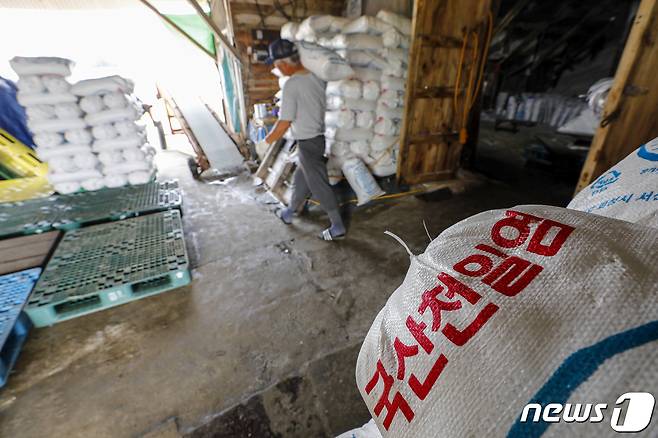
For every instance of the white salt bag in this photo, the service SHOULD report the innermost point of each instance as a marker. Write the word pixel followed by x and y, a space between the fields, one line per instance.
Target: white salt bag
pixel 78 136
pixel 354 134
pixel 391 98
pixel 92 184
pixel 42 65
pixel 55 84
pixel 85 161
pixel 324 63
pixel 139 177
pixel 30 99
pixel 126 127
pixel 115 180
pixel 365 119
pixel 395 56
pixel 339 102
pixel 115 100
pixel 55 178
pixel 30 85
pixel 393 83
pixel 368 430
pixel 357 42
pixel 92 104
pixel 55 125
pixel 367 73
pixel 62 164
pixel 365 59
pixel 401 23
pixel 313 25
pixel 104 132
pixel 289 31
pixel 121 142
pixel 361 181
pixel 371 90
pixel 111 157
pixel 48 139
pixel 40 112
pixel 529 305
pixel 394 39
pixel 349 88
pixel 341 119
pixel 628 191
pixel 66 188
pixel 384 164
pixel 112 115
pixel 68 110
pixel 366 24
pixel 360 148
pixel 389 113
pixel 61 150
pixel 339 149
pixel 126 167
pixel 381 143
pixel 134 154
pixel 388 127
pixel 334 172
pixel 103 85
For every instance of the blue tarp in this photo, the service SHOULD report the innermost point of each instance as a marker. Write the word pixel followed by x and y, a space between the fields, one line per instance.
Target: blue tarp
pixel 12 115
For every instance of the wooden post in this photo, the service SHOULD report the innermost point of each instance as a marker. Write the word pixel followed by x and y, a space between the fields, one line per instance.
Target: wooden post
pixel 630 116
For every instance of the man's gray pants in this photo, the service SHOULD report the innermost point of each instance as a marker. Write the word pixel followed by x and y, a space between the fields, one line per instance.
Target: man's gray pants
pixel 311 176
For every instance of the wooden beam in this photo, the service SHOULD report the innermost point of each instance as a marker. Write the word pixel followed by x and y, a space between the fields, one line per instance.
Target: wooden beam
pixel 180 30
pixel 629 117
pixel 213 26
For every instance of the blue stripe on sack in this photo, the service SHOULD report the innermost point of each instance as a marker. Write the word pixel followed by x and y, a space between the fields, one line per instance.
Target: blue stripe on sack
pixel 576 369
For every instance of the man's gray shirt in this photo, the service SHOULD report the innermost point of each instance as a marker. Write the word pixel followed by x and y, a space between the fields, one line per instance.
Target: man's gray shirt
pixel 303 103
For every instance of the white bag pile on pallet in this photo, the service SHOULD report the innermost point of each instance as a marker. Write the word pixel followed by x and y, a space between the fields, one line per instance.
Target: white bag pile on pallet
pixel 56 122
pixel 512 316
pixel 120 142
pixel 628 191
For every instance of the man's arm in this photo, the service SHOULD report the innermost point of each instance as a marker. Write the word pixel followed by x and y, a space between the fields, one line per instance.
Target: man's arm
pixel 278 131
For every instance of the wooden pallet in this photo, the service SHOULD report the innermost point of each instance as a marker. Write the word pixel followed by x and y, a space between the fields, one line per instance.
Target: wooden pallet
pixel 25 252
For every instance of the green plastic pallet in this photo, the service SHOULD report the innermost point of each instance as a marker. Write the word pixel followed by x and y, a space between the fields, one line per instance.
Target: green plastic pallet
pixel 106 265
pixel 67 212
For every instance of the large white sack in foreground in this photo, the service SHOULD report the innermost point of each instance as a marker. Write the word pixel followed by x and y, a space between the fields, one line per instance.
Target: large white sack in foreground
pixel 368 430
pixel 324 63
pixel 289 31
pixel 628 191
pixel 509 306
pixel 361 181
pixel 366 24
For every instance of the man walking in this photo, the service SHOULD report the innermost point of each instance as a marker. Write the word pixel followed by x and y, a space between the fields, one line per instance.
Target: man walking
pixel 303 108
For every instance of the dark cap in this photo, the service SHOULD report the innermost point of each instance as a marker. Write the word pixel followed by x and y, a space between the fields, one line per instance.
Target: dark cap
pixel 281 49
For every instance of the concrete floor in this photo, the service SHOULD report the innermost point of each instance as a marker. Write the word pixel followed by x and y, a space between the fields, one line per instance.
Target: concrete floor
pixel 262 343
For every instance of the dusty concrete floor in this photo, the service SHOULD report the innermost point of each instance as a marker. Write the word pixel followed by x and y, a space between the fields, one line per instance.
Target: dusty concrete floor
pixel 262 343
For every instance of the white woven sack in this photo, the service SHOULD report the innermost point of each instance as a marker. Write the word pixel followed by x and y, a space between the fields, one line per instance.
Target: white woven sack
pixel 48 139
pixel 339 102
pixel 354 134
pixel 65 149
pixel 368 430
pixel 394 39
pixel 357 42
pixel 121 142
pixel 289 31
pixel 30 99
pixel 365 119
pixel 55 125
pixel 365 59
pixel 628 191
pixel 381 143
pixel 395 56
pixel 384 163
pixel 392 83
pixel 366 24
pixel 112 115
pixel 401 23
pixel 532 304
pixel 367 73
pixel 324 63
pixel 115 100
pixel 68 110
pixel 40 112
pixel 55 84
pixel 42 65
pixel 80 175
pixel 360 148
pixel 313 25
pixel 92 104
pixel 92 184
pixel 349 88
pixel 361 181
pixel 389 113
pixel 388 127
pixel 78 136
pixel 103 85
pixel 391 98
pixel 345 119
pixel 371 90
pixel 66 188
pixel 104 132
pixel 30 85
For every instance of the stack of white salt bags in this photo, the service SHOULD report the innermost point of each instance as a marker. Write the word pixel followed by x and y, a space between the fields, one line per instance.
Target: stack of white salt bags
pixel 111 114
pixel 55 119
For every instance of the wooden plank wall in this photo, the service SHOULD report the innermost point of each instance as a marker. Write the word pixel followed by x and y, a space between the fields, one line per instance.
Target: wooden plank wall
pixel 630 114
pixel 260 84
pixel 429 147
